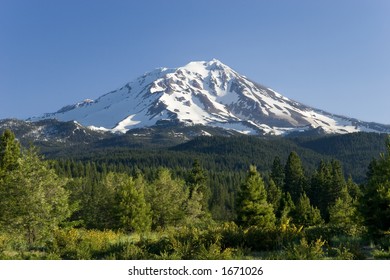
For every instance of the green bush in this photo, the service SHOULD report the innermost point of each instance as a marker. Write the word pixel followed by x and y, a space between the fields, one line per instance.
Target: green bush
pixel 340 253
pixel 305 251
pixel 260 239
pixel 318 232
pixel 381 254
pixel 81 244
pixel 353 245
pixel 232 236
pixel 125 251
pixel 187 244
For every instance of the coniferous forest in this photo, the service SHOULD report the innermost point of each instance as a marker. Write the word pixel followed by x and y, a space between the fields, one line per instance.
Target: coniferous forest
pixel 192 203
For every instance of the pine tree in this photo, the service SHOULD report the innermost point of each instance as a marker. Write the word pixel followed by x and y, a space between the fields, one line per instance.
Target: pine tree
pixel 295 180
pixel 375 202
pixel 252 206
pixel 344 218
pixel 102 198
pixel 167 198
pixel 338 182
pixel 286 208
pixel 305 214
pixel 195 214
pixel 9 151
pixel 135 214
pixel 197 180
pixel 327 185
pixel 33 201
pixel 353 189
pixel 277 172
pixel 321 183
pixel 274 194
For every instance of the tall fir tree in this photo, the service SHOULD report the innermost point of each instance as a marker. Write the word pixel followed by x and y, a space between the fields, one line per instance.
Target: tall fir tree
pixel 339 185
pixel 252 206
pixel 320 186
pixel 305 214
pixel 343 215
pixel 274 194
pixel 277 172
pixel 375 202
pixel 286 208
pixel 197 182
pixel 167 197
pixel 327 185
pixel 135 213
pixel 9 151
pixel 295 180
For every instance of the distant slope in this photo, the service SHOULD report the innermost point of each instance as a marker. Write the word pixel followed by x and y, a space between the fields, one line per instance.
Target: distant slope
pixel 355 150
pixel 177 145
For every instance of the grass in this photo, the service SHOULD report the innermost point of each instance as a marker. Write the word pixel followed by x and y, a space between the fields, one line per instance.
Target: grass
pixel 185 243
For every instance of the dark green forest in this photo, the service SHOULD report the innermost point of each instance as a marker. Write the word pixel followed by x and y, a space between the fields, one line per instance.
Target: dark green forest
pixel 236 197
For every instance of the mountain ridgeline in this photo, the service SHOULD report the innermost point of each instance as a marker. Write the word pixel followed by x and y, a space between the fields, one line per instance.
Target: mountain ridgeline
pixel 205 93
pixel 172 146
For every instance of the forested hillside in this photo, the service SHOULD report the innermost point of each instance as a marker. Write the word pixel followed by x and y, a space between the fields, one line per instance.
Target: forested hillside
pixel 221 153
pixel 210 198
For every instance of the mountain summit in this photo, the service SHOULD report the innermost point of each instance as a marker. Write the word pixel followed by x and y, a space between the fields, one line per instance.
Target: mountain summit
pixel 206 93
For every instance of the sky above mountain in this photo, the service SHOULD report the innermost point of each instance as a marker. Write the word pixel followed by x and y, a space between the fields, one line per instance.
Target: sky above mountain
pixel 328 54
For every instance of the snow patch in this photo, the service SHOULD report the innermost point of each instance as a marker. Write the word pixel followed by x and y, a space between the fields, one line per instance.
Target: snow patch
pixel 124 124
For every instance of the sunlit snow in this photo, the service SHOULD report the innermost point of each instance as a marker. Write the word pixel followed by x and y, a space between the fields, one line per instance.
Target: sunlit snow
pixel 201 92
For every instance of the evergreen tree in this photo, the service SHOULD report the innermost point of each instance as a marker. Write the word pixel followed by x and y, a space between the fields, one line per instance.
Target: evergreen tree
pixel 338 185
pixel 274 194
pixel 197 181
pixel 295 180
pixel 353 189
pixel 195 214
pixel 135 214
pixel 375 202
pixel 305 214
pixel 344 218
pixel 167 198
pixel 103 199
pixel 9 151
pixel 33 201
pixel 277 172
pixel 286 208
pixel 252 206
pixel 321 183
pixel 327 185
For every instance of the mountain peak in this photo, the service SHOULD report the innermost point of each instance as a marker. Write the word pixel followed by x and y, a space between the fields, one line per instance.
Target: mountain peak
pixel 203 92
pixel 203 67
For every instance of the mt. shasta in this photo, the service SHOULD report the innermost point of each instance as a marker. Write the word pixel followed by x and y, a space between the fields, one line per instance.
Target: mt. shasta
pixel 206 93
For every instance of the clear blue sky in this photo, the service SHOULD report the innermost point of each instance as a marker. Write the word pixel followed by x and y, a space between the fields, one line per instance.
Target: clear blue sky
pixel 330 54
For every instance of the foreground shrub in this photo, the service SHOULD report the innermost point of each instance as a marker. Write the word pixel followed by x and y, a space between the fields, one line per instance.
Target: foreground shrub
pixel 305 251
pixel 187 244
pixel 232 236
pixel 381 254
pixel 81 244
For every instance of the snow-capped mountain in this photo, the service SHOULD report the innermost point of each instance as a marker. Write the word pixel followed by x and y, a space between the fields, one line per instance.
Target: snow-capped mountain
pixel 207 93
